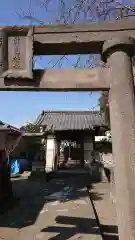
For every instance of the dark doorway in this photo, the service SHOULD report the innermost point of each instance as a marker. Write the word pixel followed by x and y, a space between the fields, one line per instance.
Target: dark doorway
pixel 70 154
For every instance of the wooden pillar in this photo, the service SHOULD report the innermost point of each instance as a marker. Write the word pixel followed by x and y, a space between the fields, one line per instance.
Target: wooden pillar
pixel 93 139
pixel 82 152
pixel 118 53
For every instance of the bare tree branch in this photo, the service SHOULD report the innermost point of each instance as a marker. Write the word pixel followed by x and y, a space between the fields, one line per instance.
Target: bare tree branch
pixel 75 11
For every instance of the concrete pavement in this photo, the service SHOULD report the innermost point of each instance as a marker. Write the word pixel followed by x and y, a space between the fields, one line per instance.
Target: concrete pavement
pixel 106 210
pixel 59 209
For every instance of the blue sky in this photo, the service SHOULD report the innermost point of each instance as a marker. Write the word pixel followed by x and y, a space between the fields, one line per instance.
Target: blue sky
pixel 18 107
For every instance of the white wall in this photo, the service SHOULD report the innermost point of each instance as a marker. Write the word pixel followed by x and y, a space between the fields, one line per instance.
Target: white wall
pixel 107 159
pixel 50 154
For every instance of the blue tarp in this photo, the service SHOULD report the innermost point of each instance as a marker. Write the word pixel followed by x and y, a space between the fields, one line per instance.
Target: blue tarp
pixel 14 166
pixel 20 165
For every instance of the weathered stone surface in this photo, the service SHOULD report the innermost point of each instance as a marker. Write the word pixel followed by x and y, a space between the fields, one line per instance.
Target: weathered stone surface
pixel 106 210
pixel 16 50
pixel 3 52
pixel 118 54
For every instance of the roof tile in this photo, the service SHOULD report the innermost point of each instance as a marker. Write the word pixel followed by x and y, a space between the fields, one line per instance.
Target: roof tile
pixel 70 120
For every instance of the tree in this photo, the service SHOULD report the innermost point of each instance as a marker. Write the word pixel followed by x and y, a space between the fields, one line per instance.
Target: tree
pixel 6 193
pixel 30 128
pixel 76 11
pixel 33 142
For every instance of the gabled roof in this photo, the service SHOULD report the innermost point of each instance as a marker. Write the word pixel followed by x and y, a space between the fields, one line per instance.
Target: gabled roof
pixel 70 120
pixel 9 128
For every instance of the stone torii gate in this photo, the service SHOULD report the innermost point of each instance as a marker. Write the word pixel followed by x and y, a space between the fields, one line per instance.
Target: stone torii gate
pixel 115 41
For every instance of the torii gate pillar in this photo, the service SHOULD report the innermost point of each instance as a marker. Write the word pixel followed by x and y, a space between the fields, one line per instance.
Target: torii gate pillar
pixel 118 53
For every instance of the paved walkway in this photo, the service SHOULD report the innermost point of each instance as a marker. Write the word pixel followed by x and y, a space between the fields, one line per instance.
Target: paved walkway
pixel 57 210
pixel 105 210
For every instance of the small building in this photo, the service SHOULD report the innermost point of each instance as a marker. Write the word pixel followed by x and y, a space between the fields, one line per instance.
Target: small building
pixel 29 149
pixel 70 137
pixel 9 137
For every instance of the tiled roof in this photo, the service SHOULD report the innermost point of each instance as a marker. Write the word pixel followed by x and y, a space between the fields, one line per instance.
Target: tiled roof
pixel 7 127
pixel 70 120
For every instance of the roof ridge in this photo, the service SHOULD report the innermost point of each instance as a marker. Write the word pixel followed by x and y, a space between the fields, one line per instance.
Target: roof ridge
pixel 70 111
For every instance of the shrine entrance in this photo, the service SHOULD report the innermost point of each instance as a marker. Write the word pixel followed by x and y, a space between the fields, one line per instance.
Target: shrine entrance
pixel 70 154
pixel 115 41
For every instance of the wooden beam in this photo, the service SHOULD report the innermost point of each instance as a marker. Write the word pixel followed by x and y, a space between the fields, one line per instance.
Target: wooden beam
pixel 60 80
pixel 79 38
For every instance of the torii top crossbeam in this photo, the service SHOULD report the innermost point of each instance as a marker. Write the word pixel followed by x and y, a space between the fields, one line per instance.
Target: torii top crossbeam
pixel 18 45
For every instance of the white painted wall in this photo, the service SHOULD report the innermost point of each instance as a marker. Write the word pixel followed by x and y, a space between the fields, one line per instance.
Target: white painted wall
pixel 107 159
pixel 50 154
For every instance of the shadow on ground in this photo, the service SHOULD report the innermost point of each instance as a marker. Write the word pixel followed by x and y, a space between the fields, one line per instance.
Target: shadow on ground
pixel 79 226
pixel 110 232
pixel 32 195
